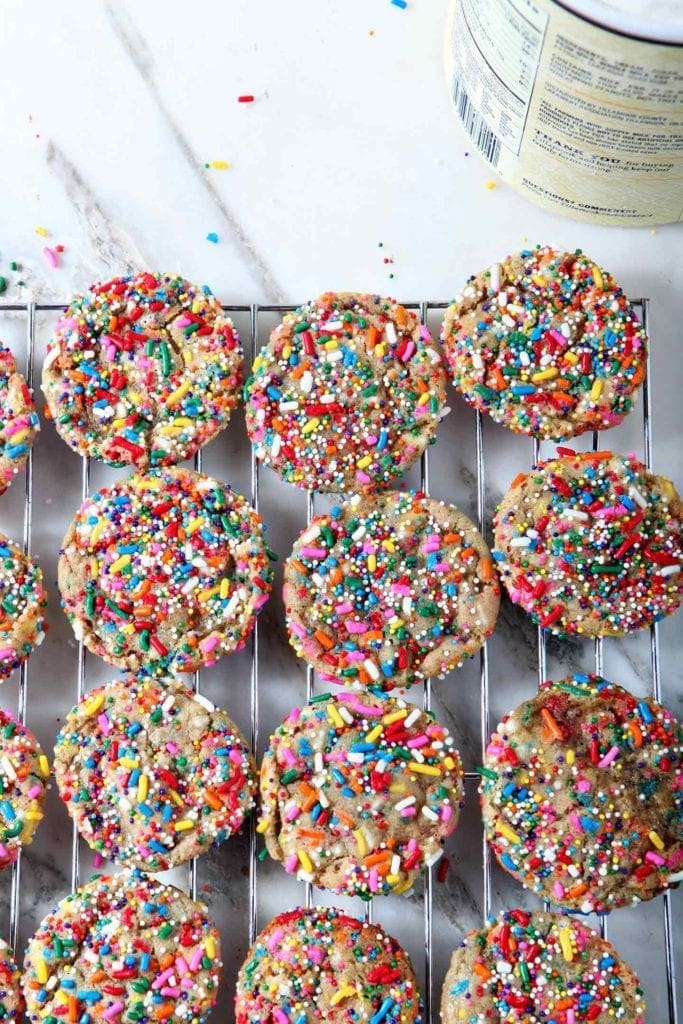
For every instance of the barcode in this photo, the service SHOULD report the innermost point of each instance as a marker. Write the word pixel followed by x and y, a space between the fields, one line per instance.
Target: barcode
pixel 486 141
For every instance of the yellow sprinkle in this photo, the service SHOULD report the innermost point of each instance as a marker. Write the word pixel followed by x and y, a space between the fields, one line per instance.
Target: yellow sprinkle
pixel 310 426
pixel 128 629
pixel 62 996
pixel 44 765
pixel 380 351
pixel 374 734
pixel 490 185
pixel 33 816
pixel 571 357
pixel 331 344
pixel 360 839
pixel 19 437
pixel 206 595
pixel 133 397
pixel 97 530
pixel 539 280
pixel 257 364
pixel 210 948
pixel 224 589
pixel 170 430
pixel 597 277
pixel 389 546
pixel 566 944
pixel 129 762
pixel 195 524
pixel 147 483
pixel 219 165
pixel 43 232
pixel 423 769
pixel 398 889
pixel 94 567
pixel 596 390
pixel 656 840
pixel 395 716
pixel 548 374
pixel 342 993
pixel 119 423
pixel 262 826
pixel 176 798
pixel 395 624
pixel 423 399
pixel 508 833
pixel 94 704
pixel 449 762
pixel 179 393
pixel 365 461
pixel 119 564
pixel 393 879
pixel 305 861
pixel 182 421
pixel 334 716
pixel 184 825
pixel 372 559
pixel 41 971
pixel 143 787
pixel 570 756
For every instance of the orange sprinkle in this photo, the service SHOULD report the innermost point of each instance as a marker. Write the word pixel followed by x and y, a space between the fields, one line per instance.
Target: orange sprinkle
pixel 451 538
pixel 593 456
pixel 485 569
pixel 299 566
pixel 371 336
pixel 498 380
pixel 577 890
pixel 550 724
pixel 401 316
pixel 315 836
pixel 323 639
pixel 374 859
pixel 73 1010
pixel 213 799
pixel 468 552
pixel 481 970
pixel 518 479
pixel 638 375
pixel 637 734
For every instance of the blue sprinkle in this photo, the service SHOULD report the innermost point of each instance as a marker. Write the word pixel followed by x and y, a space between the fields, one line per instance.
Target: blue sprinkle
pixel 145 810
pixel 460 987
pixel 382 440
pixel 508 862
pixel 498 556
pixel 347 791
pixel 212 237
pixel 589 824
pixel 645 712
pixel 338 776
pixel 388 1003
pixel 274 393
pixel 522 389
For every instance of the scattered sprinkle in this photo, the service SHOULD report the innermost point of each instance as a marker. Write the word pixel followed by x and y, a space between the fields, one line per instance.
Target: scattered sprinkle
pixel 212 237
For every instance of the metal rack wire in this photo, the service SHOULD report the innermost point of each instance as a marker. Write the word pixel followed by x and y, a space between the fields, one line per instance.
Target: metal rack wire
pixel 254 312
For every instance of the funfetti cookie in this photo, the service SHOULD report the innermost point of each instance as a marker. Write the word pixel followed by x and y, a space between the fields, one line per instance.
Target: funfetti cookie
pixel 347 393
pixel 164 570
pixel 22 606
pixel 24 774
pixel 533 968
pixel 19 421
pixel 323 965
pixel 142 370
pixel 123 948
pixel 547 343
pixel 359 793
pixel 581 795
pixel 389 589
pixel 591 544
pixel 152 773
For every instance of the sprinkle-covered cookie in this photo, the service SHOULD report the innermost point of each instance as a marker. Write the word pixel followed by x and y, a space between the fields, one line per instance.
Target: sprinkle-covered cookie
pixel 591 544
pixel 152 773
pixel 142 370
pixel 123 948
pixel 165 569
pixel 582 795
pixel 19 421
pixel 537 968
pixel 347 393
pixel 22 601
pixel 358 793
pixel 24 771
pixel 547 343
pixel 11 998
pixel 387 590
pixel 317 965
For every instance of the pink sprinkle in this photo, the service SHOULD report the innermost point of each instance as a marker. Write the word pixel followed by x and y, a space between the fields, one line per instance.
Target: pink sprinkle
pixel 308 552
pixel 401 588
pixel 558 890
pixel 431 544
pixel 187 983
pixel 412 845
pixel 574 818
pixel 343 608
pixel 4 852
pixel 7 652
pixel 51 256
pixel 158 982
pixel 104 723
pixel 408 352
pixel 610 510
pixel 114 1010
pixel 363 477
pixel 288 756
pixel 291 863
pixel 441 567
pixel 174 992
pixel 315 953
pixel 355 656
pixel 182 321
pixel 280 1016
pixel 356 627
pixel 172 747
pixel 675 857
pixel 408 812
pixel 293 813
pixel 297 629
pixel 609 757
pixel 655 858
pixel 98 860
pixel 583 786
pixel 446 812
pixel 373 877
pixel 357 705
pixel 16 425
pixel 196 960
pixel 424 333
pixel 210 643
pixel 418 741
pixel 559 338
pixel 34 791
pixel 274 940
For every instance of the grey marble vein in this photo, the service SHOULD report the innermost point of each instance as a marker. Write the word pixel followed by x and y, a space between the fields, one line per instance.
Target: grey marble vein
pixel 137 51
pixel 113 247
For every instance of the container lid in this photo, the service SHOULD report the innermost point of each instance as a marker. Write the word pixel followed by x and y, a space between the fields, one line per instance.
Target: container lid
pixel 657 20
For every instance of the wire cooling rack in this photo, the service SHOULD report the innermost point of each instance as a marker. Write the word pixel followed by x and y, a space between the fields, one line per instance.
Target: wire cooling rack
pixel 433 942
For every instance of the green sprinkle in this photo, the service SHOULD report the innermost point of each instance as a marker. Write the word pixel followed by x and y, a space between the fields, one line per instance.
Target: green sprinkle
pixel 291 775
pixel 303 326
pixel 486 772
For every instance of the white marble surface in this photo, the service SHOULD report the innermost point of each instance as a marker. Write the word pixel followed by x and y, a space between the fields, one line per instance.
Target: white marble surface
pixel 114 110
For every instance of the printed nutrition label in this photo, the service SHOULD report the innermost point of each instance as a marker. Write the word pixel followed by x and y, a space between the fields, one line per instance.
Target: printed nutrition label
pixel 497 46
